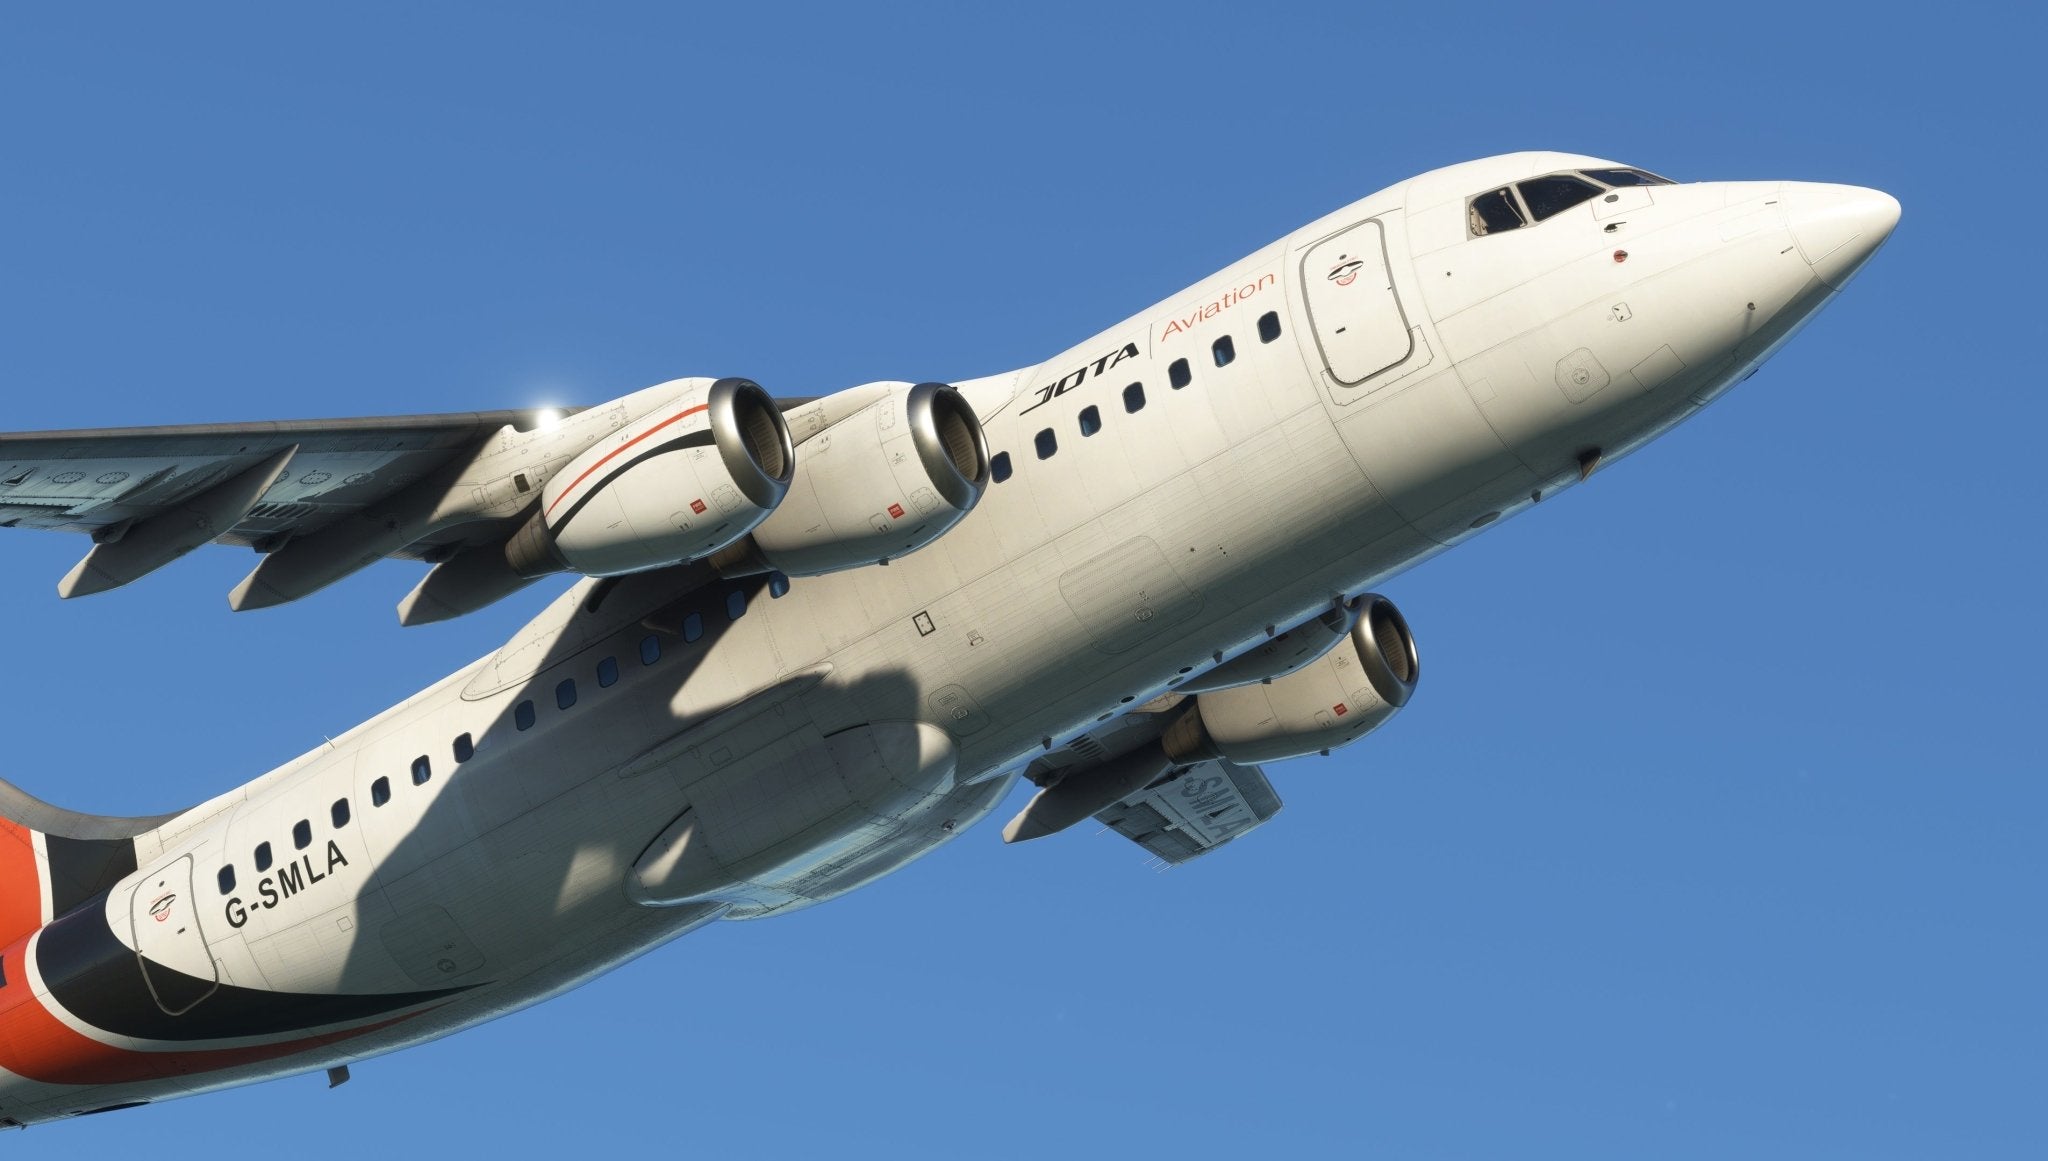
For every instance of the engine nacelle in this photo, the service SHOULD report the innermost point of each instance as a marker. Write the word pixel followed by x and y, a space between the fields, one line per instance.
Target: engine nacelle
pixel 677 484
pixel 1334 701
pixel 883 482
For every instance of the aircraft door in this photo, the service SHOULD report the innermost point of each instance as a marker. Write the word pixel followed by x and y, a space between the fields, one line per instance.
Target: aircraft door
pixel 164 916
pixel 1352 306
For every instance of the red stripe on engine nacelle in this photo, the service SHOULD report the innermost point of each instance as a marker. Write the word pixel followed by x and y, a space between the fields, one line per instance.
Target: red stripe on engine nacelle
pixel 564 494
pixel 37 1045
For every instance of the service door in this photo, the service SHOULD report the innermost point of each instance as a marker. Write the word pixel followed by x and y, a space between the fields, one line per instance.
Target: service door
pixel 175 958
pixel 1351 304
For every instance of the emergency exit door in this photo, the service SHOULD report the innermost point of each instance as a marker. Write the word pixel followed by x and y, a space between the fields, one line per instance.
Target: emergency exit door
pixel 164 915
pixel 1357 317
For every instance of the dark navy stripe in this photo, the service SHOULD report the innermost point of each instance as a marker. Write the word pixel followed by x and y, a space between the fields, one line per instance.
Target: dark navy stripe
pixel 99 980
pixel 83 868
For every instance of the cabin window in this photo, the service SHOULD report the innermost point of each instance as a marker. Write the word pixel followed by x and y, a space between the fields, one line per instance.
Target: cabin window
pixel 1547 196
pixel 262 857
pixel 1091 420
pixel 227 880
pixel 1046 443
pixel 999 467
pixel 380 792
pixel 465 747
pixel 522 714
pixel 1134 398
pixel 1493 212
pixel 778 584
pixel 1224 350
pixel 650 649
pixel 735 605
pixel 302 835
pixel 1178 375
pixel 339 813
pixel 1269 326
pixel 421 770
pixel 565 693
pixel 607 673
pixel 693 628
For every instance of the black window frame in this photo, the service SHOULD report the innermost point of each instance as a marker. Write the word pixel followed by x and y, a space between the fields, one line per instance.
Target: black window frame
pixel 1509 199
pixel 1179 374
pixel 650 649
pixel 1090 420
pixel 693 628
pixel 735 612
pixel 226 879
pixel 1223 350
pixel 380 791
pixel 1134 398
pixel 524 715
pixel 999 467
pixel 608 673
pixel 422 770
pixel 338 813
pixel 302 834
pixel 1046 444
pixel 565 693
pixel 1269 326
pixel 463 748
pixel 261 857
pixel 1588 188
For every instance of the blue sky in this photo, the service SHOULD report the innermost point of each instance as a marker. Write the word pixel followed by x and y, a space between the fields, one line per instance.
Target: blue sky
pixel 1714 830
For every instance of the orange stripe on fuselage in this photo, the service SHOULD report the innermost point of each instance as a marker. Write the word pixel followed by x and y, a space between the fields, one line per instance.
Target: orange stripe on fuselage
pixel 608 456
pixel 37 1045
pixel 21 889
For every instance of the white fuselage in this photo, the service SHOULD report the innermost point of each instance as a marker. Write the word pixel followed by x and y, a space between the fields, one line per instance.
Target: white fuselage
pixel 1167 527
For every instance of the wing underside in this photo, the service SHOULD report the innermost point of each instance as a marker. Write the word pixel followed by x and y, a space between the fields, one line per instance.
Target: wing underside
pixel 103 481
pixel 1198 809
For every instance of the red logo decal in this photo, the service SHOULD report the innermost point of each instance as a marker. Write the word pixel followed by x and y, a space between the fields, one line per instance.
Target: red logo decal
pixel 895 511
pixel 160 907
pixel 697 506
pixel 1340 710
pixel 1345 270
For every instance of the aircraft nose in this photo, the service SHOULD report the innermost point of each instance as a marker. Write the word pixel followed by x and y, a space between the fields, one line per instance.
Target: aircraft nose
pixel 1838 227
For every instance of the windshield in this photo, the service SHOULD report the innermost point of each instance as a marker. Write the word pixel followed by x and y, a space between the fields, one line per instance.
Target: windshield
pixel 1619 177
pixel 1548 196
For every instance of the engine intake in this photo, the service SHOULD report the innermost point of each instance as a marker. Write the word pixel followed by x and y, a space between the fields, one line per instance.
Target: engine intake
pixel 678 484
pixel 1335 700
pixel 883 482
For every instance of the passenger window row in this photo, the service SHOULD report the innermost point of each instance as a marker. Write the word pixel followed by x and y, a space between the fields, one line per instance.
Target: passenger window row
pixel 302 837
pixel 1178 375
pixel 523 717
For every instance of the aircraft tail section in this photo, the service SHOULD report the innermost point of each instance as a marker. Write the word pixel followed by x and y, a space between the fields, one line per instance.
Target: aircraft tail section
pixel 52 859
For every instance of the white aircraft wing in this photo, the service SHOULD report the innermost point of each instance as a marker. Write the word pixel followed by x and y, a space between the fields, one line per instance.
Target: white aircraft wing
pixel 1195 810
pixel 212 478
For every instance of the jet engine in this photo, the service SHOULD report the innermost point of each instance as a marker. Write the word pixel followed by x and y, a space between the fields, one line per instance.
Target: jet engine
pixel 677 484
pixel 1333 701
pixel 884 481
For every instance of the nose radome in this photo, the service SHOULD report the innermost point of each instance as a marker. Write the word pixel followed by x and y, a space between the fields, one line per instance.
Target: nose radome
pixel 1838 227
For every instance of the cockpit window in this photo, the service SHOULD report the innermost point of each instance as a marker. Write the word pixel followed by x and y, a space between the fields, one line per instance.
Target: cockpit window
pixel 1621 177
pixel 1555 194
pixel 1493 212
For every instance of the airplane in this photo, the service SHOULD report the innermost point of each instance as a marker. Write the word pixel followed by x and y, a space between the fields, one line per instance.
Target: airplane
pixel 814 639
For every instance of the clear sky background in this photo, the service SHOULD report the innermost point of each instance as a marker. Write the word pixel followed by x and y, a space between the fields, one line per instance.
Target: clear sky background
pixel 1715 829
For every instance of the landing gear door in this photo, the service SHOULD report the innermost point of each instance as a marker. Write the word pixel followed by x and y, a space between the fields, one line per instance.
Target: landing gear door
pixel 164 916
pixel 1357 317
